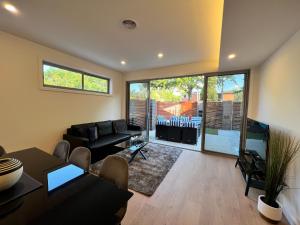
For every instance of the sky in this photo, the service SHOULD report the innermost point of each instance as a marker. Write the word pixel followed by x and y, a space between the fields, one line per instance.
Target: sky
pixel 237 85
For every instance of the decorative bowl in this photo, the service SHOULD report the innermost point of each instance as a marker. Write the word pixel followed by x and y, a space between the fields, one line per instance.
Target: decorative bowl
pixel 10 172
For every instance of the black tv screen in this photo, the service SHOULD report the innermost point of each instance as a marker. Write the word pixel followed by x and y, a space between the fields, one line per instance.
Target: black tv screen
pixel 257 135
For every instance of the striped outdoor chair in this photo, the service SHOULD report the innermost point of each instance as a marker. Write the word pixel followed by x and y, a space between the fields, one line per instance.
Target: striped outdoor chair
pixel 196 120
pixel 160 120
pixel 175 121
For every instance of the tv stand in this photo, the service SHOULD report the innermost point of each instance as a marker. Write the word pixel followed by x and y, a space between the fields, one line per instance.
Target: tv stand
pixel 253 169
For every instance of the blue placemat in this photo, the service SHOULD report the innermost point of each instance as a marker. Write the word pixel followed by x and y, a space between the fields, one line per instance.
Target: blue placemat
pixel 25 185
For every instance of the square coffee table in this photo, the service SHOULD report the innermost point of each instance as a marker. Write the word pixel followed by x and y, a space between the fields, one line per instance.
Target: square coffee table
pixel 135 149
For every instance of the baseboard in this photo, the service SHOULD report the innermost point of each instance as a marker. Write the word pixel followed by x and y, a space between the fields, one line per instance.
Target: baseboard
pixel 291 219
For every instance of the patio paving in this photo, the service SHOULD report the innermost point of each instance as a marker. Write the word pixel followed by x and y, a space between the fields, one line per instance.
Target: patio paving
pixel 225 141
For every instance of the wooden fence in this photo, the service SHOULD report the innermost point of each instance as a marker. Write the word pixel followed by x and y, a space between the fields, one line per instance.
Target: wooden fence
pixel 169 109
pixel 137 112
pixel 224 115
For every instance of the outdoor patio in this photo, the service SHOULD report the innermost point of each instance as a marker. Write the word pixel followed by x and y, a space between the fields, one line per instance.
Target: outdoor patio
pixel 225 141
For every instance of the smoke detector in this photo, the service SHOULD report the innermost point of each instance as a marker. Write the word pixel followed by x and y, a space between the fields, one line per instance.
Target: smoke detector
pixel 129 24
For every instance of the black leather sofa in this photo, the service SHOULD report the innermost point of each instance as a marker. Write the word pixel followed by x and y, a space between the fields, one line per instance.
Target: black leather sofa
pixel 187 135
pixel 100 137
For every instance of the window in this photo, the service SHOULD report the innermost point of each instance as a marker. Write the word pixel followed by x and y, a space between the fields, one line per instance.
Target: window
pixel 54 76
pixel 92 83
pixel 66 78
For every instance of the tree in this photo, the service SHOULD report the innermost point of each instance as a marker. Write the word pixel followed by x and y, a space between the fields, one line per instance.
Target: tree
pixel 164 95
pixel 212 94
pixel 221 81
pixel 54 76
pixel 238 95
pixel 138 91
pixel 183 84
pixel 63 78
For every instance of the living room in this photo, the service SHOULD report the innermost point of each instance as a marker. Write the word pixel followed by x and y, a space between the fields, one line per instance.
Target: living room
pixel 116 44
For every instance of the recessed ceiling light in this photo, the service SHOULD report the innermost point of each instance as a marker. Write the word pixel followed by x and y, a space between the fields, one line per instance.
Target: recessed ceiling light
pixel 129 24
pixel 123 62
pixel 11 8
pixel 160 55
pixel 231 56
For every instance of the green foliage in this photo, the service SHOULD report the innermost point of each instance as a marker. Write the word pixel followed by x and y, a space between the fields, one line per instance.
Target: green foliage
pixel 230 78
pixel 212 94
pixel 138 91
pixel 186 85
pixel 238 95
pixel 169 89
pixel 164 95
pixel 54 76
pixel 95 84
pixel 282 151
pixel 222 79
pixel 217 83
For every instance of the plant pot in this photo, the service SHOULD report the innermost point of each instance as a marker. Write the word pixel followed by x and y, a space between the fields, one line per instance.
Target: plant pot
pixel 270 213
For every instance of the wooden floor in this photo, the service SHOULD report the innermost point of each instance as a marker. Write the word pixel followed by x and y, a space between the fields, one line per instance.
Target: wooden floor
pixel 200 189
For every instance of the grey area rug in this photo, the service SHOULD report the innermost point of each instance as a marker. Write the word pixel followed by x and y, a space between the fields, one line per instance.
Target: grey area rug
pixel 146 175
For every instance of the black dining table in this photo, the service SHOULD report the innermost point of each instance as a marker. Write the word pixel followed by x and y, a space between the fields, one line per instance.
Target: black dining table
pixel 85 200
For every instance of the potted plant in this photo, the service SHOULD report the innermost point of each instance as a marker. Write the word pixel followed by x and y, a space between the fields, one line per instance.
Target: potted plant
pixel 282 151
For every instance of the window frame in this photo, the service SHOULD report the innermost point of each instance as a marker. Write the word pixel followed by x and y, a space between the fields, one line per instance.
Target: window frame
pixel 82 73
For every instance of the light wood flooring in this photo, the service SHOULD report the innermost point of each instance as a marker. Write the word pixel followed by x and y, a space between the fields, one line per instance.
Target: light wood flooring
pixel 200 188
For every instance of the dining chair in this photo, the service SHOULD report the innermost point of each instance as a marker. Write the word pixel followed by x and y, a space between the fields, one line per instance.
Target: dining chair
pixel 62 150
pixel 115 170
pixel 2 151
pixel 81 157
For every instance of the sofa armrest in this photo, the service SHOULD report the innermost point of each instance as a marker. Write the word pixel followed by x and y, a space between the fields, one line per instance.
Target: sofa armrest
pixel 76 141
pixel 133 127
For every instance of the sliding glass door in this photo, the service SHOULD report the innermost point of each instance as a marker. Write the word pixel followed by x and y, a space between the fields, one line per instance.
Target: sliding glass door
pixel 138 109
pixel 224 113
pixel 212 108
pixel 175 106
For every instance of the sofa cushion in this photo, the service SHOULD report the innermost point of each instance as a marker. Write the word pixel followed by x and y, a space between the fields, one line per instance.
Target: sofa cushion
pixel 119 125
pixel 93 133
pixel 82 130
pixel 108 140
pixel 105 128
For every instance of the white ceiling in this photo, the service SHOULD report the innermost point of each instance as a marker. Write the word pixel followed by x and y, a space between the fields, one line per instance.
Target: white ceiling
pixel 254 29
pixel 185 31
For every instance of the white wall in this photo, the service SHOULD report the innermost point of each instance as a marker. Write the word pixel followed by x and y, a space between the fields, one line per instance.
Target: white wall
pixel 275 99
pixel 30 116
pixel 173 71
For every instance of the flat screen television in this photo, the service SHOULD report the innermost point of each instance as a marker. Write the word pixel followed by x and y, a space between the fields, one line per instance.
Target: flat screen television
pixel 257 135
